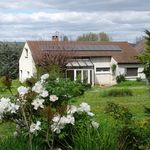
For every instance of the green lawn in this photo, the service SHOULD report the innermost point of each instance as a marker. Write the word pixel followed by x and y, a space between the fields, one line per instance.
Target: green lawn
pixel 135 103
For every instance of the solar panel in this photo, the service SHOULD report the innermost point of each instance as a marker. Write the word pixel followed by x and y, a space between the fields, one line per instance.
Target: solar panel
pixel 98 47
pixel 81 47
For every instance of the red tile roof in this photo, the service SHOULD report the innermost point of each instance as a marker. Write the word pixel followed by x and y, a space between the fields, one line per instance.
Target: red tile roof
pixel 127 54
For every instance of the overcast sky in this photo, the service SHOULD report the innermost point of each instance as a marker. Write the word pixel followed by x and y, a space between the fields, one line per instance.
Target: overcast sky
pixel 123 20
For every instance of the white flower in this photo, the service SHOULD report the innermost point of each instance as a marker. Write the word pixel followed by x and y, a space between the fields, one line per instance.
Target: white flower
pixel 35 127
pixel 56 118
pixel 95 124
pixel 60 122
pixel 22 90
pixel 7 106
pixel 44 93
pixel 90 114
pixel 38 103
pixel 13 108
pixel 70 119
pixel 53 98
pixel 56 128
pixel 38 87
pixel 84 107
pixel 4 105
pixel 71 109
pixel 45 76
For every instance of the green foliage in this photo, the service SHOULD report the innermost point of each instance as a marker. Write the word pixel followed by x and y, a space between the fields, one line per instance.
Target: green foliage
pixel 120 78
pixel 102 36
pixel 9 59
pixel 117 92
pixel 65 88
pixel 19 143
pixel 128 83
pixel 65 38
pixel 119 112
pixel 113 68
pixel 139 79
pixel 145 56
pixel 129 138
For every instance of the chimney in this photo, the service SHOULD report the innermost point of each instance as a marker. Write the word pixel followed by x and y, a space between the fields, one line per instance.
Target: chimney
pixel 55 37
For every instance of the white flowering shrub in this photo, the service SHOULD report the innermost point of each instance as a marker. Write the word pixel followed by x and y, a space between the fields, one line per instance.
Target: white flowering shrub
pixel 42 111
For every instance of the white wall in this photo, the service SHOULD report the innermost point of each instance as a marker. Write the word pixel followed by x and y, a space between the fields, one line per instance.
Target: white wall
pixel 122 70
pixel 108 78
pixel 102 78
pixel 26 65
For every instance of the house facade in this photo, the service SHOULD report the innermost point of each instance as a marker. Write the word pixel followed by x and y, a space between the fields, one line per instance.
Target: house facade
pixel 92 62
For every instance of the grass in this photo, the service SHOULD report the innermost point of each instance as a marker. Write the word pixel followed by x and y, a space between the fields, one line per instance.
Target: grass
pixel 4 92
pixel 135 103
pixel 115 92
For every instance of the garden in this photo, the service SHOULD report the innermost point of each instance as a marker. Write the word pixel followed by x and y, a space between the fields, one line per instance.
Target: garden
pixel 52 114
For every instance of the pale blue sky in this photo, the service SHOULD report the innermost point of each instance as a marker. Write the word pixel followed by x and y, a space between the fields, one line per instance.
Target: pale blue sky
pixel 123 20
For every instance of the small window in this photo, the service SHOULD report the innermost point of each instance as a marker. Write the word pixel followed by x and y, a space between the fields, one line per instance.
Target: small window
pixel 28 73
pixel 131 72
pixel 26 53
pixel 107 69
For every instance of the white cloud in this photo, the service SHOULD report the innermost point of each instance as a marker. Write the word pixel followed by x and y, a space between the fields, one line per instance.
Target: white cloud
pixel 122 19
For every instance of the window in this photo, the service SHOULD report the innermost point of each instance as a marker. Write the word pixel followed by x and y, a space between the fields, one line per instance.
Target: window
pixel 106 69
pixel 28 73
pixel 26 53
pixel 70 74
pixel 131 71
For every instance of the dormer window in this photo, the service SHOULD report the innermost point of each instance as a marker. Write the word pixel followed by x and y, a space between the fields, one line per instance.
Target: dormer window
pixel 26 53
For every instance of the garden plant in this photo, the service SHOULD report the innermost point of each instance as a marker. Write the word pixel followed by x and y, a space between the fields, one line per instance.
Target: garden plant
pixel 43 115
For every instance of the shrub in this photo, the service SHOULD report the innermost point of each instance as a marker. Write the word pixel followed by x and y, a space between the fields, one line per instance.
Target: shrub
pixel 113 68
pixel 118 112
pixel 138 79
pixel 42 112
pixel 120 78
pixel 117 92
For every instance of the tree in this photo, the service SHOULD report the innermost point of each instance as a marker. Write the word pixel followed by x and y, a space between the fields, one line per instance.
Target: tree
pixel 102 36
pixel 9 59
pixel 145 56
pixel 88 37
pixel 65 38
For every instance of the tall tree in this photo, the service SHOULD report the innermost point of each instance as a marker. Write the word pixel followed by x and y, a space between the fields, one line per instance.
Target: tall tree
pixel 102 36
pixel 145 56
pixel 9 59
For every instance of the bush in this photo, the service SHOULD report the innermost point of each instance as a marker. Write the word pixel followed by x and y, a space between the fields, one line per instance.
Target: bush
pixel 129 83
pixel 43 115
pixel 118 112
pixel 120 78
pixel 65 88
pixel 117 92
pixel 138 79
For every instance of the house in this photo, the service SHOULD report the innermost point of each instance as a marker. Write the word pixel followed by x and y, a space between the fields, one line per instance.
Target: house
pixel 140 46
pixel 95 62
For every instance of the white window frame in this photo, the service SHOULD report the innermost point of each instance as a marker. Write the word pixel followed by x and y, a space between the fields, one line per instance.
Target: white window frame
pixel 102 72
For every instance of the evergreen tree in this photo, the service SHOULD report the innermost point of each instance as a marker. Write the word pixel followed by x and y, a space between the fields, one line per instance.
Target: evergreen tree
pixel 145 56
pixel 9 59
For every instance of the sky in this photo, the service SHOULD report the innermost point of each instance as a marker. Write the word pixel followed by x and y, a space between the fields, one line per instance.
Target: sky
pixel 123 20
